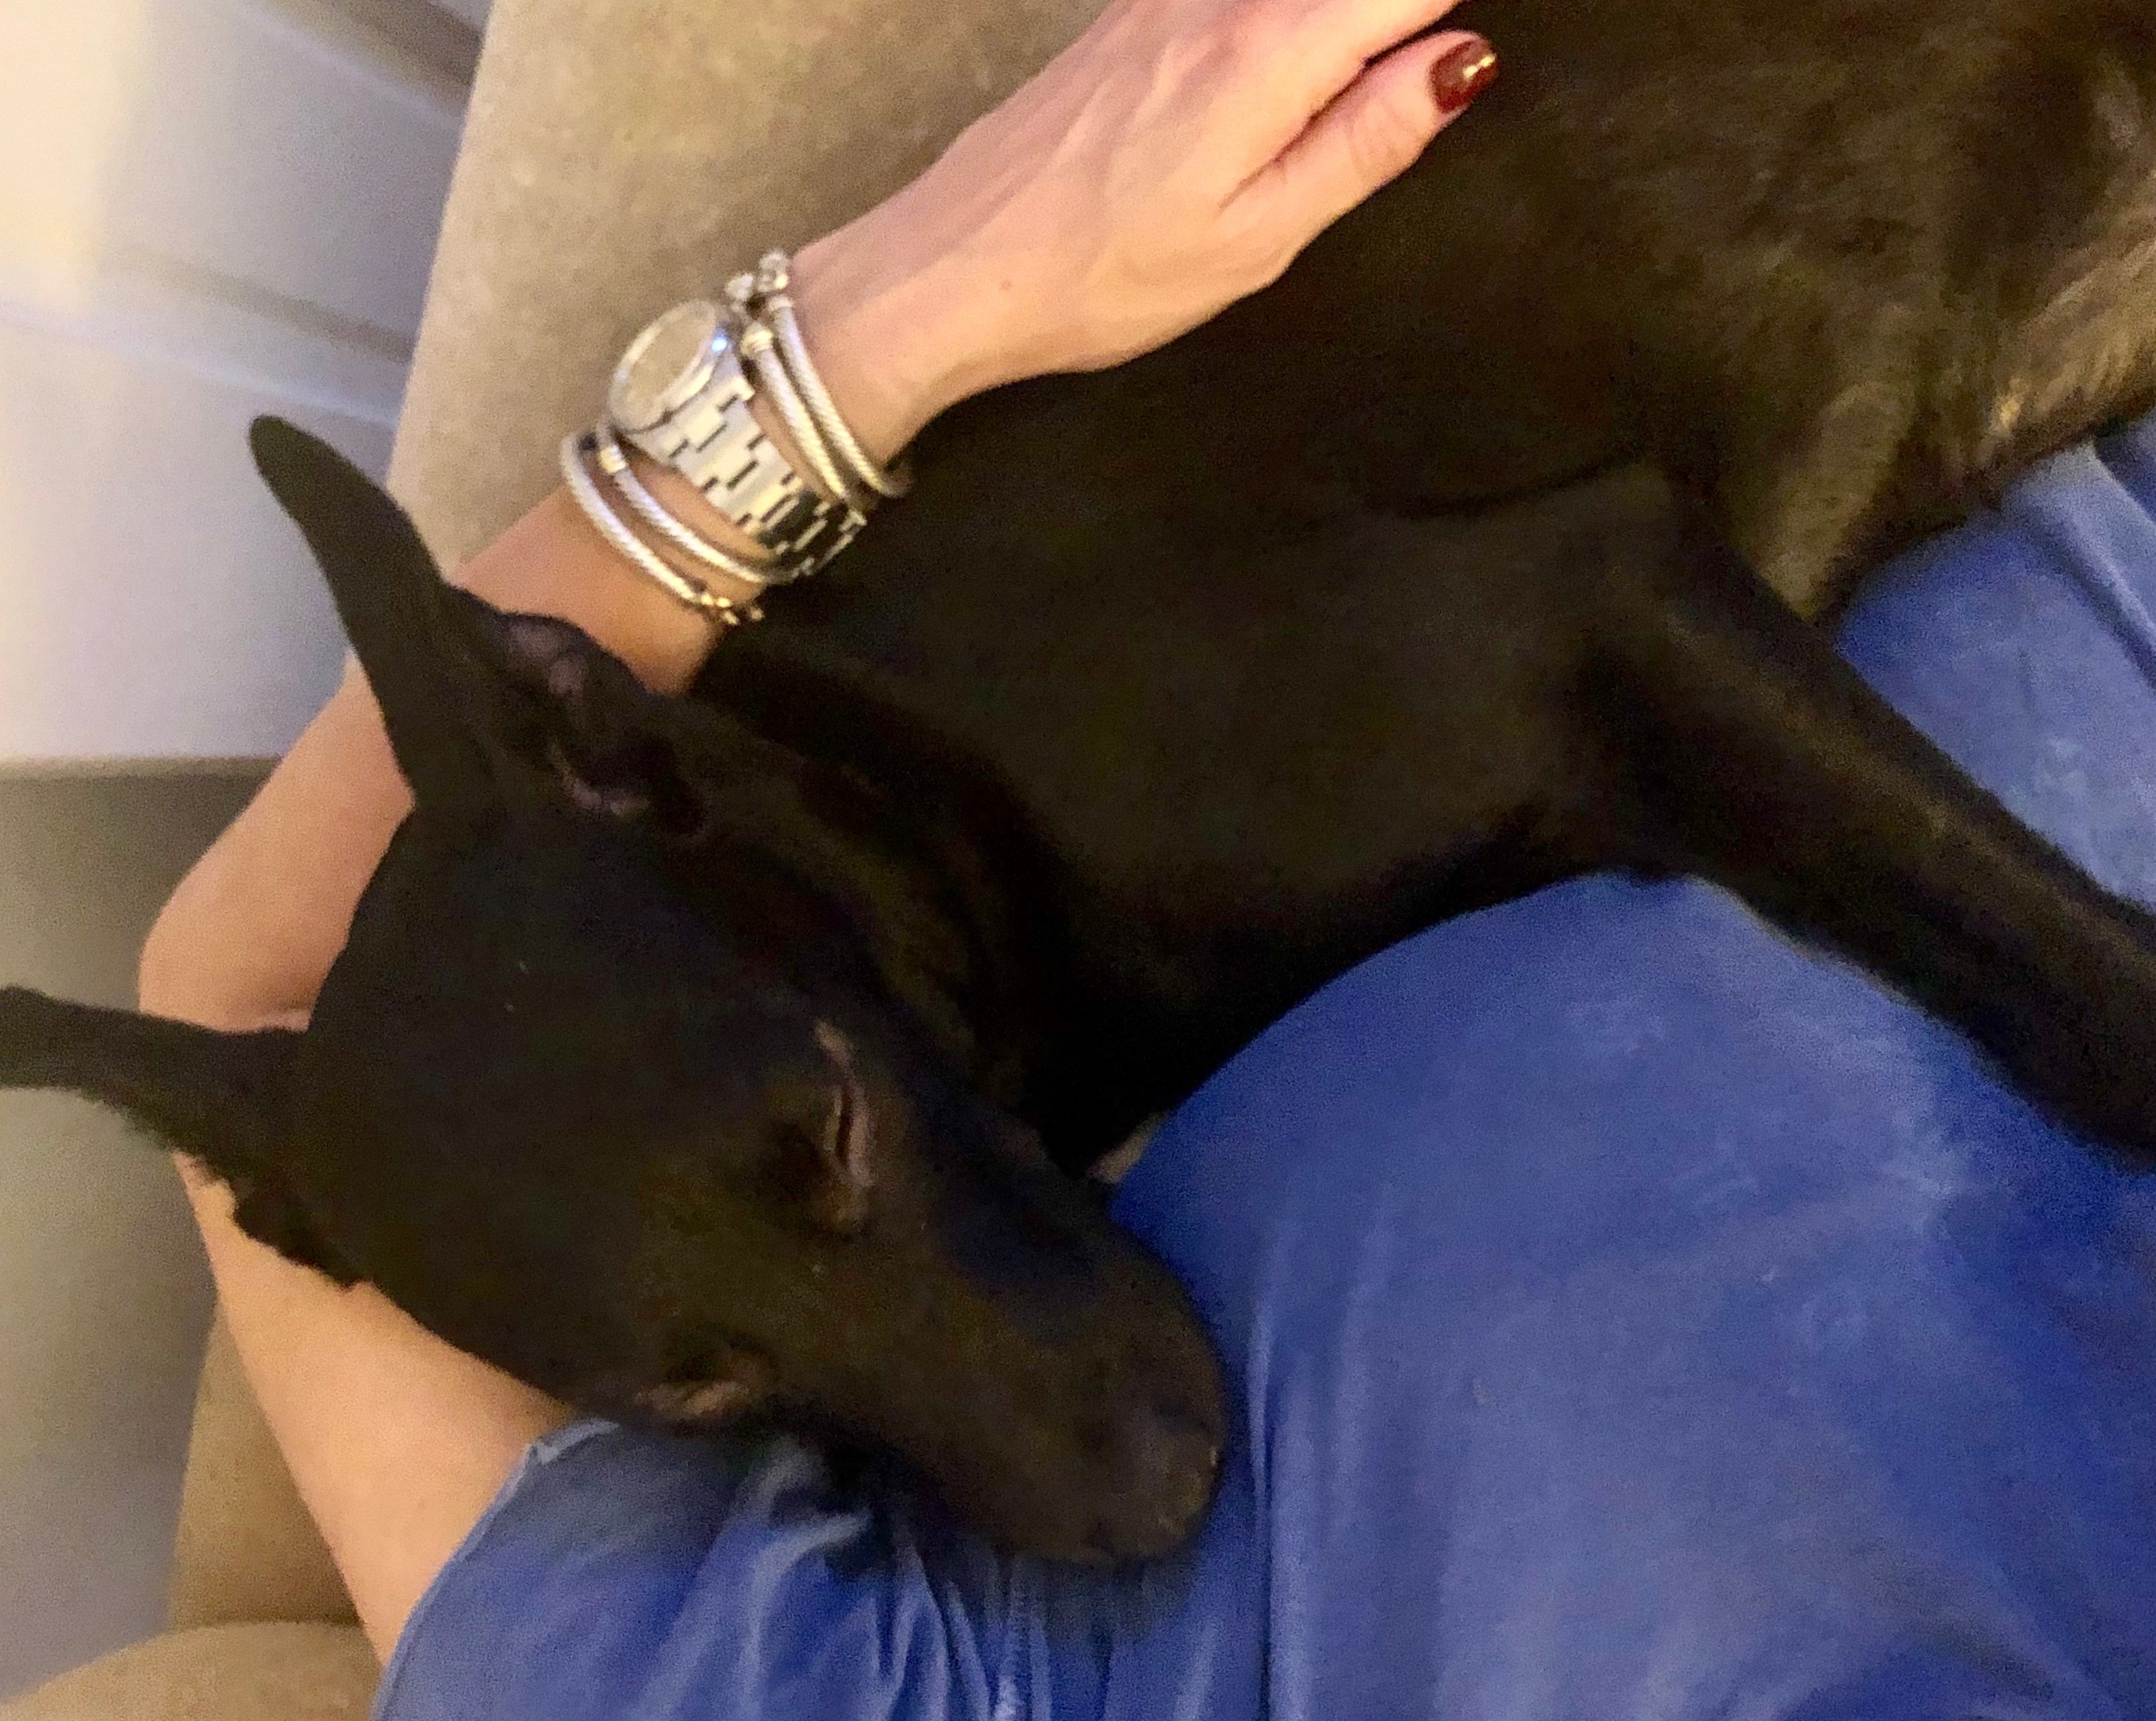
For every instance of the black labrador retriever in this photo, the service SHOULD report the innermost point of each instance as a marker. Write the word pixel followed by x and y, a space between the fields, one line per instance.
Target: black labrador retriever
pixel 731 1055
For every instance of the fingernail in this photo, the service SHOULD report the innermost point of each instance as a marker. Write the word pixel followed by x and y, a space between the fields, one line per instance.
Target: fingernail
pixel 1463 74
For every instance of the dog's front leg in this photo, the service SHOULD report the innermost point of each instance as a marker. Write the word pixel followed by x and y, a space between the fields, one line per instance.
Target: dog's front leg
pixel 1763 762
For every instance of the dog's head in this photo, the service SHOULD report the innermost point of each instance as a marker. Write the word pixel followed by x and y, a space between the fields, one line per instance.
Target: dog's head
pixel 609 1087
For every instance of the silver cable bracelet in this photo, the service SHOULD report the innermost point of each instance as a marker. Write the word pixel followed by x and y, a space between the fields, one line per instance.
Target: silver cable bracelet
pixel 722 611
pixel 759 346
pixel 764 294
pixel 614 461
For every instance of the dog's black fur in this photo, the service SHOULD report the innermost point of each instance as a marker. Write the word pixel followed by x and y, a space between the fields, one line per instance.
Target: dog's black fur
pixel 689 1055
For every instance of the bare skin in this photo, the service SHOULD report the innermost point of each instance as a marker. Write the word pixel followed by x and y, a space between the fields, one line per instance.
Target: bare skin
pixel 1173 160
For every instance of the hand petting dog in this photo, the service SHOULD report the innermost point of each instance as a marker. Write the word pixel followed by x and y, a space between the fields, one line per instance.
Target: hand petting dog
pixel 1175 159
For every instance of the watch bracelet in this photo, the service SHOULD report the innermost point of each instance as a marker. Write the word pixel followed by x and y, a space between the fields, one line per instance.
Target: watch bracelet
pixel 611 460
pixel 714 441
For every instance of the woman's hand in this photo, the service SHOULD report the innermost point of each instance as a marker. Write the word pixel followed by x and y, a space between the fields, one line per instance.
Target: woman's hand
pixel 1174 159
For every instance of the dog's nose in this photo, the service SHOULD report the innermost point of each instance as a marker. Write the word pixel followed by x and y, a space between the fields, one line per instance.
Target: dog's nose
pixel 1171 1456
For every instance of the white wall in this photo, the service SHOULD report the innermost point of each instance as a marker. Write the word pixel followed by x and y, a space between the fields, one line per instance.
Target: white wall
pixel 208 209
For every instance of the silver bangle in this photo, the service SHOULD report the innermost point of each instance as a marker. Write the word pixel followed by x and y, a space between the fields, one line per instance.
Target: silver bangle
pixel 613 461
pixel 722 611
pixel 764 294
pixel 891 482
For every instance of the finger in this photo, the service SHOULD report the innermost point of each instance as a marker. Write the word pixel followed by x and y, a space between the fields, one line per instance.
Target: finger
pixel 1371 135
pixel 1338 38
pixel 1298 58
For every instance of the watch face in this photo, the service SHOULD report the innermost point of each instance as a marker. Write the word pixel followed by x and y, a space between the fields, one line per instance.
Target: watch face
pixel 664 365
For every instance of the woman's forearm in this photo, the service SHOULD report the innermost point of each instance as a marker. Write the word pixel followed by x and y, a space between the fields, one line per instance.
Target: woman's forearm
pixel 248 937
pixel 396 1440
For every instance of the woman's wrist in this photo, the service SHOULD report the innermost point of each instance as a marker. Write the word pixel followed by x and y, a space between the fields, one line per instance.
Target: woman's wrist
pixel 552 562
pixel 898 335
pixel 894 341
pixel 1165 165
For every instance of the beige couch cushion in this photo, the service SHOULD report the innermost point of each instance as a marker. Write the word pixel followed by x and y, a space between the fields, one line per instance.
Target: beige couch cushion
pixel 263 1672
pixel 246 1549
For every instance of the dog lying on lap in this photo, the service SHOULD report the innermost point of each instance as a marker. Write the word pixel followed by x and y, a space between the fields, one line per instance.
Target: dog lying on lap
pixel 1437 571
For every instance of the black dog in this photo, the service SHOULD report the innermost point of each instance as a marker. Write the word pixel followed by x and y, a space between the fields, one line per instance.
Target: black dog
pixel 693 1055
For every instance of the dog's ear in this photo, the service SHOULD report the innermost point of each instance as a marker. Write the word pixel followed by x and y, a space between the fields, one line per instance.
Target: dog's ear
pixel 425 668
pixel 222 1099
pixel 481 706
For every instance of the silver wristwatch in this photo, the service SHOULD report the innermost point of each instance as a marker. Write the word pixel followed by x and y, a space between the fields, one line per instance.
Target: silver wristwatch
pixel 681 395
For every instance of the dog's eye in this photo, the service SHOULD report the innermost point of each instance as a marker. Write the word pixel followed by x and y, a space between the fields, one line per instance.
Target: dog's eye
pixel 815 1132
pixel 837 1127
pixel 803 1140
pixel 637 781
pixel 799 1118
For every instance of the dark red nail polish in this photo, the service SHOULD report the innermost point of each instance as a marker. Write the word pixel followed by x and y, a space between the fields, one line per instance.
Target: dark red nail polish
pixel 1463 74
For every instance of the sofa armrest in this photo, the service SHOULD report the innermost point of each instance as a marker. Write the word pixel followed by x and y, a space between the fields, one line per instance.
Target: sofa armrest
pixel 246 1550
pixel 257 1672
